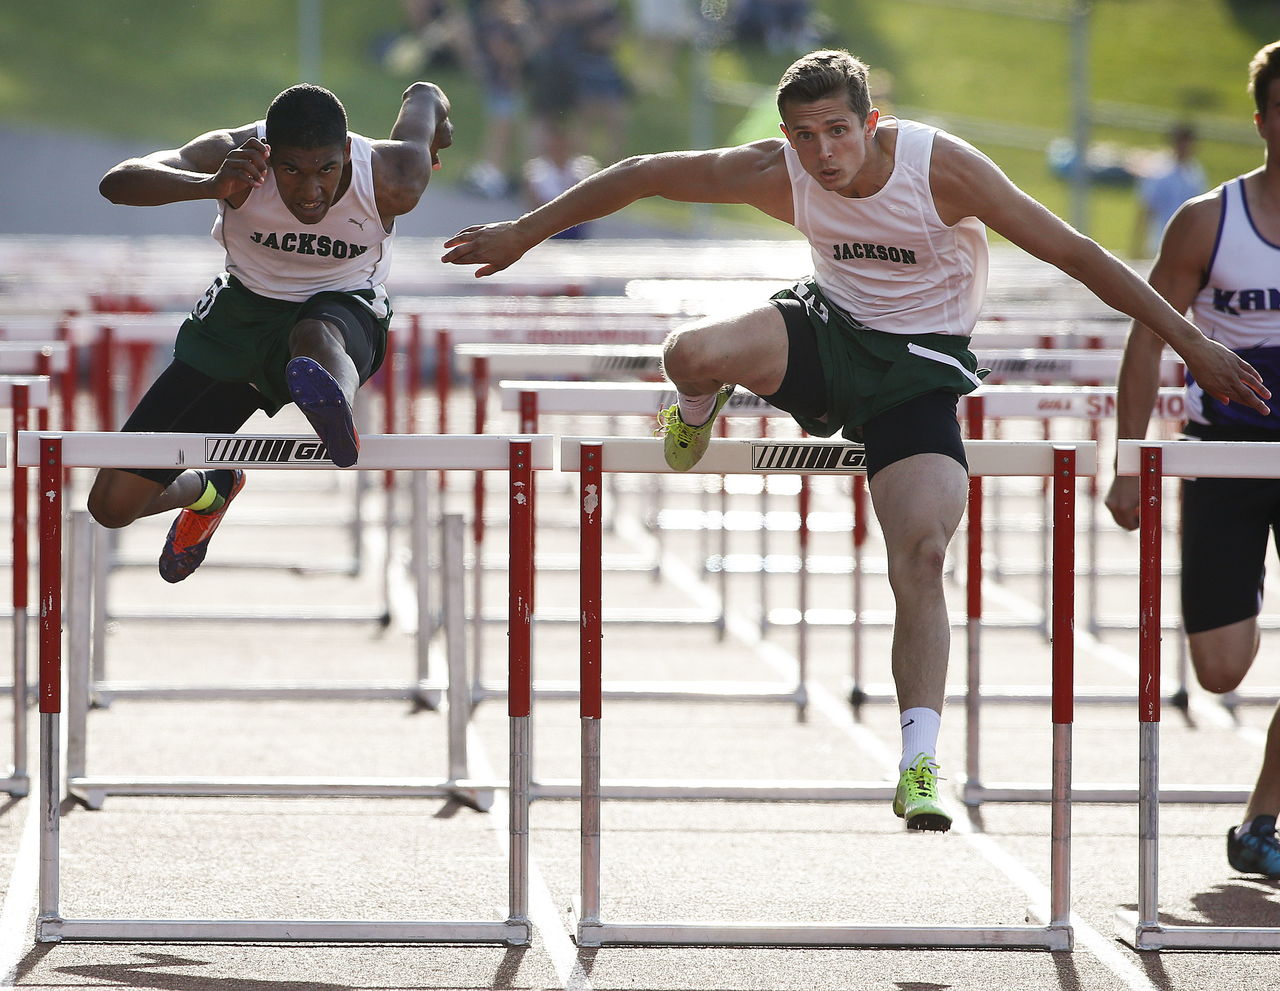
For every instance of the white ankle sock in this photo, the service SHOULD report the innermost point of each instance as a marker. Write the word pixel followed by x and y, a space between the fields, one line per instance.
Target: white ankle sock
pixel 696 410
pixel 919 734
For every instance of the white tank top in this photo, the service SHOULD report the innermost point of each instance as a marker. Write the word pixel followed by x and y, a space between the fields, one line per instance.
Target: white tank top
pixel 1239 307
pixel 888 259
pixel 274 254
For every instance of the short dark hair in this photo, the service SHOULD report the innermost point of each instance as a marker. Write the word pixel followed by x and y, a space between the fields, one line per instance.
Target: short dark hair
pixel 1263 71
pixel 306 116
pixel 822 74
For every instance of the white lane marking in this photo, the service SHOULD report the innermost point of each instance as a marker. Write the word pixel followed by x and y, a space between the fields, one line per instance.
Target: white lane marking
pixel 548 923
pixel 20 896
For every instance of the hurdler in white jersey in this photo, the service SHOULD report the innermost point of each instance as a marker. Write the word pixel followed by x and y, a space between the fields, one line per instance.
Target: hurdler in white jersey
pixel 305 214
pixel 875 344
pixel 1219 257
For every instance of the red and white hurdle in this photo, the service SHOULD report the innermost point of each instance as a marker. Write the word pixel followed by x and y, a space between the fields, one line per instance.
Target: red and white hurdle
pixel 53 453
pixel 592 458
pixel 1154 462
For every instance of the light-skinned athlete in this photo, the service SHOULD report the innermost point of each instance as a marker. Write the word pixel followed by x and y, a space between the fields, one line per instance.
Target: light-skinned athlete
pixel 306 212
pixel 875 345
pixel 1220 258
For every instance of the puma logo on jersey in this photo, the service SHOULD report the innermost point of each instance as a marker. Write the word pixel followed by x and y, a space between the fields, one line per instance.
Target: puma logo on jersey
pixel 310 244
pixel 358 223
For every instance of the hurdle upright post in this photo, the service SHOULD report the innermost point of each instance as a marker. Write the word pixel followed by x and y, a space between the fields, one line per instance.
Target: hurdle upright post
pixel 1149 620
pixel 520 670
pixel 50 476
pixel 591 489
pixel 1062 627
pixel 973 621
pixel 20 783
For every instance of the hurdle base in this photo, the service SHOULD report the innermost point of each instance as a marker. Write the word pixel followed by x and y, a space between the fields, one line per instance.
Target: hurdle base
pixel 884 694
pixel 425 694
pixel 92 791
pixel 16 785
pixel 656 691
pixel 513 932
pixel 714 790
pixel 593 934
pixel 1158 937
pixel 974 793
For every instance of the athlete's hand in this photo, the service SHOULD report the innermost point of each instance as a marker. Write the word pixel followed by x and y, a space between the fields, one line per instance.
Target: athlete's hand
pixel 1122 500
pixel 493 247
pixel 1227 377
pixel 244 169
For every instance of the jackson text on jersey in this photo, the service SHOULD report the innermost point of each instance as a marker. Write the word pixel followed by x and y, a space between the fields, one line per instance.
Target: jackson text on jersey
pixel 303 243
pixel 875 252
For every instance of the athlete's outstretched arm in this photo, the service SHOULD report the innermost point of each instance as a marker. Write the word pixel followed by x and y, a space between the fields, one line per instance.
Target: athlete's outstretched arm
pixel 754 174
pixel 967 183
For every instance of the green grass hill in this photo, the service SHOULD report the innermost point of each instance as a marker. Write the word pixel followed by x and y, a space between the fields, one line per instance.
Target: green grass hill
pixel 996 72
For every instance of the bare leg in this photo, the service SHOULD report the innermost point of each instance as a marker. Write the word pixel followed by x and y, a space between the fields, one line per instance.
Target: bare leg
pixel 919 502
pixel 749 350
pixel 117 497
pixel 1222 658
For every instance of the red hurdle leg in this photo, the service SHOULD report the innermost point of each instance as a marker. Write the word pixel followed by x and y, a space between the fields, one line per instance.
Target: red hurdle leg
pixel 520 668
pixel 1149 578
pixel 590 567
pixel 1062 626
pixel 50 476
pixel 21 582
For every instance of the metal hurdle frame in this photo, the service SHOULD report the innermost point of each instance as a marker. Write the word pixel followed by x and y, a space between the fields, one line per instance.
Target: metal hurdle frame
pixel 1152 462
pixel 592 457
pixel 88 449
pixel 21 394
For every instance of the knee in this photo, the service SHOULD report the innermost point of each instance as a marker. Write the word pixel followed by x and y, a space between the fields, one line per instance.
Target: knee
pixel 108 512
pixel 682 357
pixel 1219 678
pixel 309 335
pixel 920 565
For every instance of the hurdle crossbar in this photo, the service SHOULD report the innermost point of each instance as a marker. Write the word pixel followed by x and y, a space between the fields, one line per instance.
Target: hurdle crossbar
pixel 49 452
pixel 591 458
pixel 1152 462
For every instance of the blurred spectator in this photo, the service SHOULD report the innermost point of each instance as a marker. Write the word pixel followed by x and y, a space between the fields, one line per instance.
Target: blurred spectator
pixel 1175 178
pixel 604 95
pixel 435 35
pixel 498 59
pixel 664 27
pixel 555 170
pixel 574 78
pixel 781 26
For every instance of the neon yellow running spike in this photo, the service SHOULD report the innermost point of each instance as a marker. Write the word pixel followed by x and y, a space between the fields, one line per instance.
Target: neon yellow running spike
pixel 917 797
pixel 684 445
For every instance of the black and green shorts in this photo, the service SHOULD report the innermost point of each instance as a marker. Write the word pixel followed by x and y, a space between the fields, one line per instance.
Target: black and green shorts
pixel 234 335
pixel 867 372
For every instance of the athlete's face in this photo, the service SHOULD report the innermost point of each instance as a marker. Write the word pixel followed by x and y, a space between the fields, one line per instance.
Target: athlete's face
pixel 309 179
pixel 833 144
